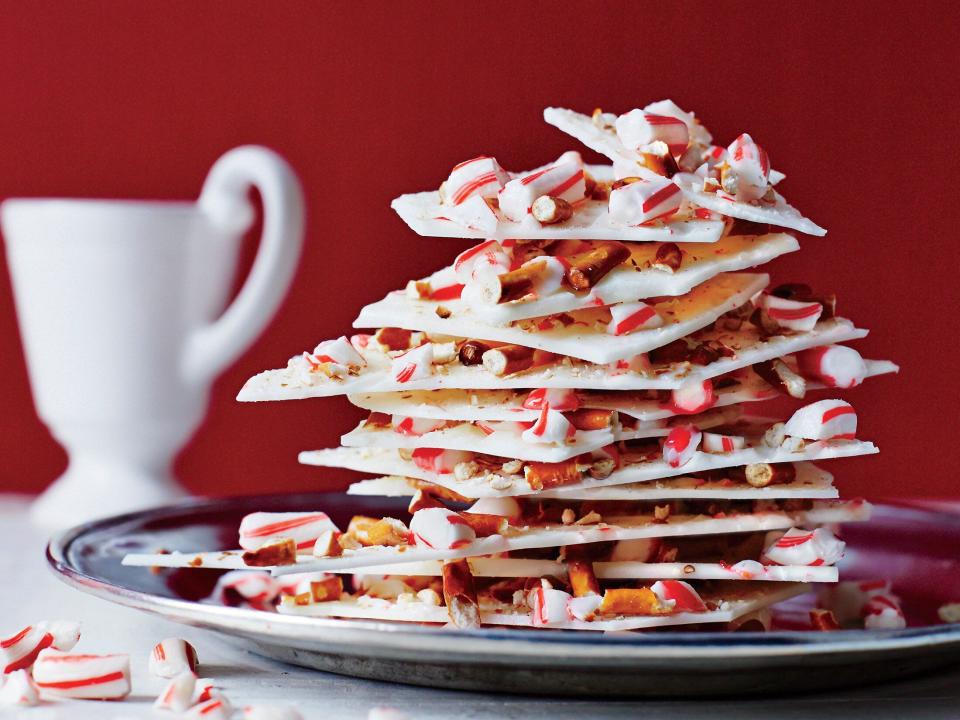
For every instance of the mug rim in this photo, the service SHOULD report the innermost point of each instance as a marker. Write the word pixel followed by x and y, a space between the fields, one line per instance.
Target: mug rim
pixel 126 204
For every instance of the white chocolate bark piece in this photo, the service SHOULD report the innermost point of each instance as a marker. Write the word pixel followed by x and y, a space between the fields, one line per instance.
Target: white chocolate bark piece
pixel 388 462
pixel 587 337
pixel 607 143
pixel 541 536
pixel 288 384
pixel 507 405
pixel 506 440
pixel 811 482
pixel 619 528
pixel 427 216
pixel 731 603
pixel 635 279
pixel 515 568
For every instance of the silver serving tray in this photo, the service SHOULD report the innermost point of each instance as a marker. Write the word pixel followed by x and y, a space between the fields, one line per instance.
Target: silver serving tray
pixel 919 550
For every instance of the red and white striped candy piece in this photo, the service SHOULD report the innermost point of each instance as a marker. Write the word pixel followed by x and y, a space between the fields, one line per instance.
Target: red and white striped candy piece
pixel 564 180
pixel 836 366
pixel 66 633
pixel 85 677
pixel 488 255
pixel 339 356
pixel 205 690
pixel 216 708
pixel 882 612
pixel 747 569
pixel 439 461
pixel 480 177
pixel 751 167
pixel 637 550
pixel 474 213
pixel 245 588
pixel 20 650
pixel 805 547
pixel 639 128
pixel 584 607
pixel 551 428
pixel 679 595
pixel 847 599
pixel 507 507
pixel 549 280
pixel 693 396
pixel 19 689
pixel 823 420
pixel 260 528
pixel 548 605
pixel 629 316
pixel 639 363
pixel 171 657
pixel 716 443
pixel 415 427
pixel 681 445
pixel 441 529
pixel 644 201
pixel 271 712
pixel 177 694
pixel 557 398
pixel 698 133
pixel 791 314
pixel 414 364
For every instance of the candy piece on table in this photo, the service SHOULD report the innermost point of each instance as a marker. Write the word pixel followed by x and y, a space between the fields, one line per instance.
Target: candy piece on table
pixel 823 420
pixel 836 366
pixel 681 445
pixel 805 547
pixel 84 677
pixel 177 694
pixel 386 713
pixel 791 314
pixel 550 428
pixel 488 255
pixel 507 507
pixel 638 128
pixel 694 396
pixel 19 689
pixel 439 461
pixel 716 443
pixel 557 398
pixel 415 426
pixel 271 712
pixel 480 177
pixel 748 171
pixel 441 528
pixel 244 588
pixel 882 612
pixel 630 316
pixel 642 200
pixel 204 690
pixel 66 633
pixel 261 528
pixel 216 708
pixel 564 180
pixel 171 657
pixel 414 364
pixel 20 650
pixel 678 594
pixel 548 605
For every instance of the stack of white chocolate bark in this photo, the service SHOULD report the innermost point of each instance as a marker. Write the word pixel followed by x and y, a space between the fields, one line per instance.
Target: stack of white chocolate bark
pixel 572 405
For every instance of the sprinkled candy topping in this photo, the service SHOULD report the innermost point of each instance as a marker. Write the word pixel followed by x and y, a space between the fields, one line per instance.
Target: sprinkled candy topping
pixel 441 528
pixel 480 177
pixel 836 366
pixel 678 594
pixel 823 420
pixel 643 200
pixel 261 528
pixel 681 445
pixel 639 128
pixel 805 547
pixel 630 316
pixel 564 180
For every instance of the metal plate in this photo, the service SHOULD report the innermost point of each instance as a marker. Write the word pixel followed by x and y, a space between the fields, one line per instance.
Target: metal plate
pixel 919 550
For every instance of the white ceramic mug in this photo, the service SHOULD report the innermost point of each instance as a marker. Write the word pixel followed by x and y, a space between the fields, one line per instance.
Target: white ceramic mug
pixel 121 311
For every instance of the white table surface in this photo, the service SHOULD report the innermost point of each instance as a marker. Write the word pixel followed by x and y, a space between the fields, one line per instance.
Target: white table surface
pixel 30 592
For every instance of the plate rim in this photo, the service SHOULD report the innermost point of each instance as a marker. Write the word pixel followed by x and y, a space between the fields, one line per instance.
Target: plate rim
pixel 487 645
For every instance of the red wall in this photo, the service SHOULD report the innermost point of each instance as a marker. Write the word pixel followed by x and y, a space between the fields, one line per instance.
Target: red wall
pixel 135 99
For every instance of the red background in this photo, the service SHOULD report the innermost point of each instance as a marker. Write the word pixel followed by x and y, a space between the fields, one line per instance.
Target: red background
pixel 368 101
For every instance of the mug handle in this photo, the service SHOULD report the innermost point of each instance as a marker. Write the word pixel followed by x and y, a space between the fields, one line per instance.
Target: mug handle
pixel 224 201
